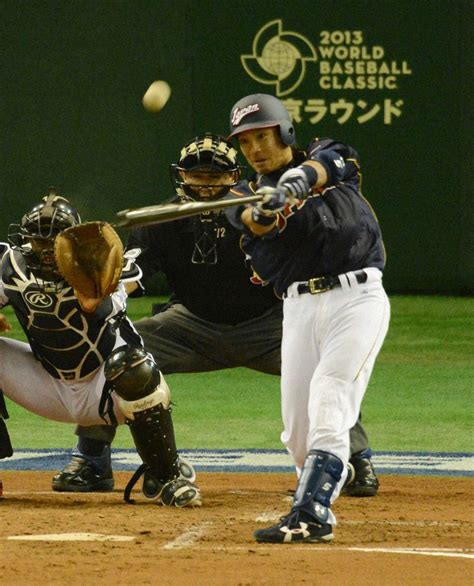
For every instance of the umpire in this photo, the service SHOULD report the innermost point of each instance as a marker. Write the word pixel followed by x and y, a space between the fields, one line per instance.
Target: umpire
pixel 218 316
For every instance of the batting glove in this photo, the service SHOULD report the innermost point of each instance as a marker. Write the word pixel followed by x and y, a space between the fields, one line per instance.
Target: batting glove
pixel 274 200
pixel 298 182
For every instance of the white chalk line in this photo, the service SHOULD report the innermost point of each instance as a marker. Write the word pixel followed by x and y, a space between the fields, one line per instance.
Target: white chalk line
pixel 322 548
pixel 417 551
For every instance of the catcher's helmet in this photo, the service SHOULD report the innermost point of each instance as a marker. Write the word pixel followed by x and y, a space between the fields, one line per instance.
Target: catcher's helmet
pixel 261 111
pixel 34 236
pixel 211 155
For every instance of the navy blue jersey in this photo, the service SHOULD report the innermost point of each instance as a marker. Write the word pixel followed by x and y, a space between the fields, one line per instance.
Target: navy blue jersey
pixel 219 292
pixel 69 343
pixel 332 232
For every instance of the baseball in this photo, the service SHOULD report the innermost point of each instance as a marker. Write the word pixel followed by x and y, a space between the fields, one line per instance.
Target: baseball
pixel 156 96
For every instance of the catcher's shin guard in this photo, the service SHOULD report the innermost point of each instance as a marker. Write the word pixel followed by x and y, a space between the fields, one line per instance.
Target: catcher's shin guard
pixel 153 435
pixel 144 398
pixel 319 477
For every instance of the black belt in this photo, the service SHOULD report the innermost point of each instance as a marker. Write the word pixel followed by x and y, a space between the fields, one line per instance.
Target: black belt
pixel 322 284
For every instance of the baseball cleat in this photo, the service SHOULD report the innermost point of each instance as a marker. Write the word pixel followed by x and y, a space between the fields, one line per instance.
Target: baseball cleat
pixel 84 474
pixel 351 474
pixel 186 469
pixel 151 486
pixel 365 482
pixel 297 527
pixel 175 493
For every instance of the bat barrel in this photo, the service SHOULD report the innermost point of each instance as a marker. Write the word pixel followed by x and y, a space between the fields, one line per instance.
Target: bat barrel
pixel 168 212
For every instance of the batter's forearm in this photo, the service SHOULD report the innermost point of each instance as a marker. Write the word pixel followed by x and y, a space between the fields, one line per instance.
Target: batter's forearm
pixel 254 227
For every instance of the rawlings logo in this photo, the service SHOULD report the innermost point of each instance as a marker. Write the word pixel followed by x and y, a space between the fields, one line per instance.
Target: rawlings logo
pixel 38 299
pixel 240 113
pixel 144 404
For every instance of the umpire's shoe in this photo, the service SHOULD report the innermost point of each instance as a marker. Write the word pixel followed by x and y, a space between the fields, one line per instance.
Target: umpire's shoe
pixel 297 527
pixel 364 481
pixel 86 474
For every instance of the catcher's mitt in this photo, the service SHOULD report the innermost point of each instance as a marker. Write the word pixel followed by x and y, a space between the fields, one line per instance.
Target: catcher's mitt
pixel 90 258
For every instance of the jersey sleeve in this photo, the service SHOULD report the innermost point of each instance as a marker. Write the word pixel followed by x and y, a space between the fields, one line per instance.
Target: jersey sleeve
pixel 234 213
pixel 349 154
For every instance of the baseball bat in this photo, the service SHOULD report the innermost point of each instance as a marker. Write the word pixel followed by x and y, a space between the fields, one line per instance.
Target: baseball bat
pixel 175 211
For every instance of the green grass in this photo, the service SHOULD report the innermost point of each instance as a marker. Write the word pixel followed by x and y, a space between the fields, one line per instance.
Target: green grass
pixel 419 398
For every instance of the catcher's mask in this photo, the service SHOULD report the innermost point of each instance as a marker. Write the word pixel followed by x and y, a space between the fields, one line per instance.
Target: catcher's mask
pixel 34 236
pixel 261 111
pixel 207 168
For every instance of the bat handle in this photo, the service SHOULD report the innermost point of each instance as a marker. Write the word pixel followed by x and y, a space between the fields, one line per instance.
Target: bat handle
pixel 269 194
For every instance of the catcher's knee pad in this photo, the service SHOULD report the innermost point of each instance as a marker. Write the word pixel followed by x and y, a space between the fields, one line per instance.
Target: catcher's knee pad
pixel 136 379
pixel 319 477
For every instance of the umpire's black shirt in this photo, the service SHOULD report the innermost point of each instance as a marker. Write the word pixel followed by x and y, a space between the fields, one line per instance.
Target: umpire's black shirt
pixel 222 292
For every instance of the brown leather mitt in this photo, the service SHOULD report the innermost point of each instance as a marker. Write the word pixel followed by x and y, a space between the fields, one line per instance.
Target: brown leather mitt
pixel 89 257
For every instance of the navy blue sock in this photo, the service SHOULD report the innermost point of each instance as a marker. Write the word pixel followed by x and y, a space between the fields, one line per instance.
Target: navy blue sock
pixel 367 453
pixel 91 447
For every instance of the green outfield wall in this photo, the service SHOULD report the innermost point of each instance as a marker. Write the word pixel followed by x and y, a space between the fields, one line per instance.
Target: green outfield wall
pixel 391 77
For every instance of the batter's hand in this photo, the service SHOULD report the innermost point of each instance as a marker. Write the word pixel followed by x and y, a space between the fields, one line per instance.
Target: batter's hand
pixel 299 181
pixel 4 324
pixel 274 200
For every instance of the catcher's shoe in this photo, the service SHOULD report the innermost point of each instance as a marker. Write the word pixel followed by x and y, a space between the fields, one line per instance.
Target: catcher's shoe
pixel 175 493
pixel 297 527
pixel 365 482
pixel 86 474
pixel 186 471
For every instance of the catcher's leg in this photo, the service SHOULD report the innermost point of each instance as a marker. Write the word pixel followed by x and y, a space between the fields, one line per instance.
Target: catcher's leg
pixel 144 398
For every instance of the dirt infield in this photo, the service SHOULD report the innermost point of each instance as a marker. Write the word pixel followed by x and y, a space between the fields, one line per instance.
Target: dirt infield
pixel 418 530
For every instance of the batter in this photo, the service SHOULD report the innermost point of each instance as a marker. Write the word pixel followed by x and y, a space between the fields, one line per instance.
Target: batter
pixel 323 253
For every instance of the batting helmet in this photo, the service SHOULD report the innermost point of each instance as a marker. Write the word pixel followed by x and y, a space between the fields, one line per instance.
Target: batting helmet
pixel 261 111
pixel 207 153
pixel 34 236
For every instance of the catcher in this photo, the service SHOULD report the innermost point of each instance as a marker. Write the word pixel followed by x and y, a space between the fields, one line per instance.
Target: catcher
pixel 85 362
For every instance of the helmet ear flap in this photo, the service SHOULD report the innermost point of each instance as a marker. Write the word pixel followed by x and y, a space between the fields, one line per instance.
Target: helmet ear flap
pixel 287 133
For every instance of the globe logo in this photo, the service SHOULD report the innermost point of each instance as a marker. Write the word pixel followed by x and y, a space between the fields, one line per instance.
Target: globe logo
pixel 279 58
